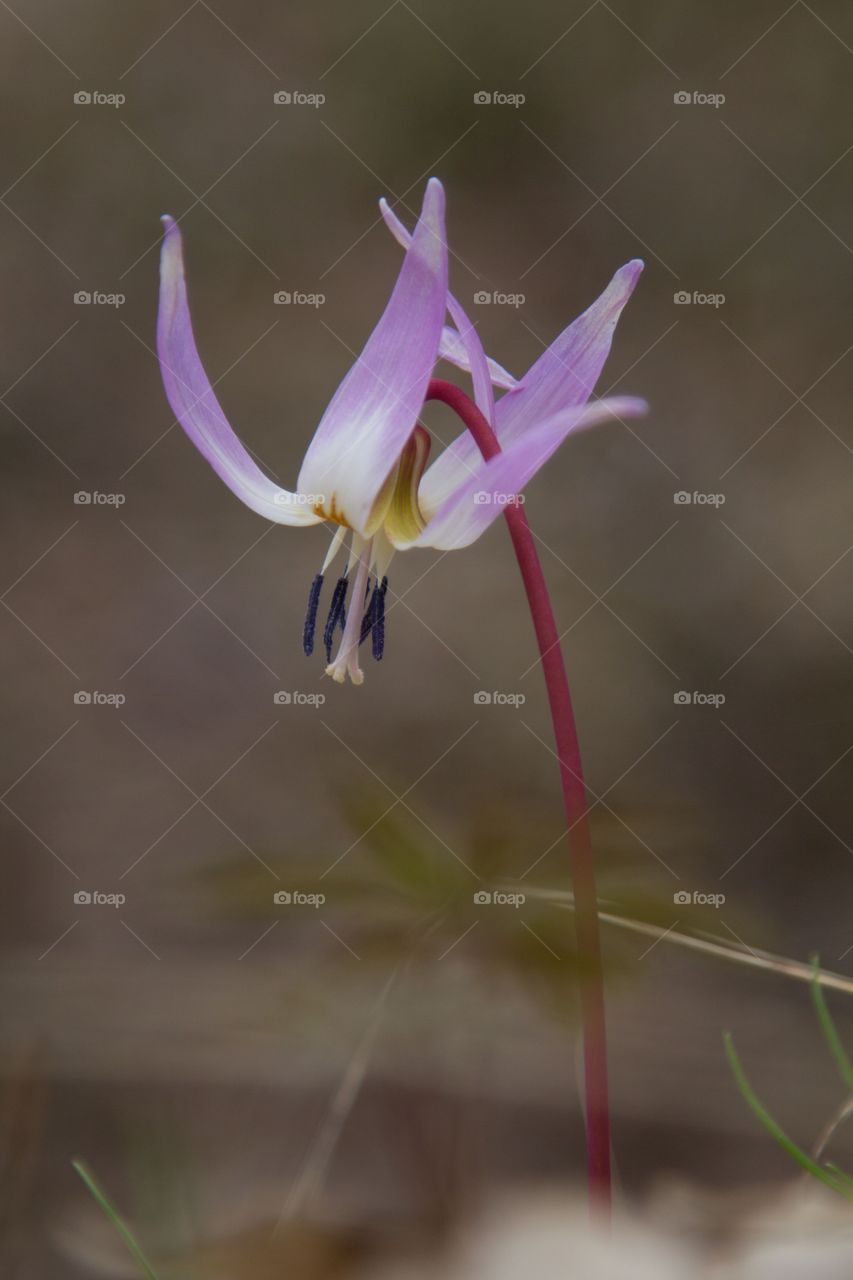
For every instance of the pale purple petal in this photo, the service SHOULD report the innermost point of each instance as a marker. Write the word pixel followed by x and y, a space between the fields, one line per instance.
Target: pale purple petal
pixel 461 457
pixel 457 347
pixel 376 407
pixel 195 405
pixel 564 376
pixel 480 498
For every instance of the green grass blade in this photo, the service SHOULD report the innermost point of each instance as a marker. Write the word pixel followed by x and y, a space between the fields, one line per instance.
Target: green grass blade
pixel 118 1222
pixel 827 1026
pixel 759 1110
pixel 840 1174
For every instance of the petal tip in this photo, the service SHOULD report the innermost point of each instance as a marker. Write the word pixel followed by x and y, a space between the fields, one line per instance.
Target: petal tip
pixel 628 406
pixel 171 252
pixel 631 272
pixel 434 199
pixel 431 224
pixel 172 245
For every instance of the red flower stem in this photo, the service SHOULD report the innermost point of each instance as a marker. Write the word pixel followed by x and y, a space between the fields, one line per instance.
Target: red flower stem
pixel 574 799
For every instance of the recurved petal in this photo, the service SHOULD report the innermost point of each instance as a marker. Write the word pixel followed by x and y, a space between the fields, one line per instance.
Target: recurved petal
pixel 563 376
pixel 195 406
pixel 376 407
pixel 480 498
pixel 453 346
pixel 566 373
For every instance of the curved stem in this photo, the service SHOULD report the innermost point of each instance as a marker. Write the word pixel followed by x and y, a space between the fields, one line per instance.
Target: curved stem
pixel 574 799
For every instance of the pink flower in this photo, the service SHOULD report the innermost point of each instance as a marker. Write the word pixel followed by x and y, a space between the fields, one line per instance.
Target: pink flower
pixel 365 470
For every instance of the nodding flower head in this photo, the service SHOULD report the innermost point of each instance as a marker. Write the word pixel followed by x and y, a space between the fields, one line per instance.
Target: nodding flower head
pixel 366 469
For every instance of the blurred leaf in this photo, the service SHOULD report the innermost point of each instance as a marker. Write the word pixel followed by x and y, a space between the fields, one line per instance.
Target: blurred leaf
pixel 116 1219
pixel 840 1174
pixel 403 848
pixel 842 1184
pixel 402 895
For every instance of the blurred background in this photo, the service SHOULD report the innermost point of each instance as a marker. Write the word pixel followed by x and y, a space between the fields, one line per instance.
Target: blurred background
pixel 374 1066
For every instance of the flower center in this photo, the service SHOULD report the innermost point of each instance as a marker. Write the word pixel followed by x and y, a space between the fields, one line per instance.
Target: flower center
pixel 357 606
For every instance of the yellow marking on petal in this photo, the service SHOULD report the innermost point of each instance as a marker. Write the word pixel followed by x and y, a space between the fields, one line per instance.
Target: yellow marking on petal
pixel 381 503
pixel 329 511
pixel 404 519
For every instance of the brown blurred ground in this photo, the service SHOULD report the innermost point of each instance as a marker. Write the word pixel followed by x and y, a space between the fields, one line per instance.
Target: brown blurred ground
pixel 751 599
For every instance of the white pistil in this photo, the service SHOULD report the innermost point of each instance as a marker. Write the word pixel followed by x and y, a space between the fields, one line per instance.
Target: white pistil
pixel 346 660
